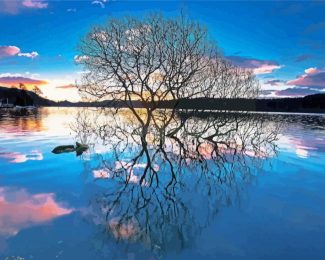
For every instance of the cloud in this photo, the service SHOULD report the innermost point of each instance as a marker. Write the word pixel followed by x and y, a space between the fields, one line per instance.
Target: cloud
pixel 267 92
pixel 15 6
pixel 8 81
pixel 69 86
pixel 275 82
pixel 39 4
pixel 303 57
pixel 7 51
pixel 101 3
pixel 311 70
pixel 309 83
pixel 10 51
pixel 313 77
pixel 31 55
pixel 256 65
pixel 297 92
pixel 80 58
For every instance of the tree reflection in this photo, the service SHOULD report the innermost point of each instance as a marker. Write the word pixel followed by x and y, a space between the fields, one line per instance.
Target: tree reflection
pixel 167 180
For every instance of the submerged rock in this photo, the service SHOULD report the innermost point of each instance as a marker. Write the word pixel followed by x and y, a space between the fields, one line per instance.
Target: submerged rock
pixel 78 148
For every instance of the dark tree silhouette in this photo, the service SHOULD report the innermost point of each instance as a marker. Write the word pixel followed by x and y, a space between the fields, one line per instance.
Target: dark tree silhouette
pixel 160 155
pixel 22 86
pixel 155 59
pixel 37 90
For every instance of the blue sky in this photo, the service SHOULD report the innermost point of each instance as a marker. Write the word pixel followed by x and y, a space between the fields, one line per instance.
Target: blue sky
pixel 283 42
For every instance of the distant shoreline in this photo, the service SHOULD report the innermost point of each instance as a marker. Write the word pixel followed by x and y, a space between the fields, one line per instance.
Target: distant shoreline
pixel 308 104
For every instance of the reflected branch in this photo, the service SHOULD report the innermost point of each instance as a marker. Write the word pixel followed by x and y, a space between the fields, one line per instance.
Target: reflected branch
pixel 154 170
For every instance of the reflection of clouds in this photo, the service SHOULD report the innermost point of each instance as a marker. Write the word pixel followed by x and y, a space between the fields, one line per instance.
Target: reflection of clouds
pixel 17 157
pixel 20 209
pixel 302 152
pixel 206 150
pixel 157 172
pixel 101 174
pixel 301 147
pixel 131 169
pixel 122 230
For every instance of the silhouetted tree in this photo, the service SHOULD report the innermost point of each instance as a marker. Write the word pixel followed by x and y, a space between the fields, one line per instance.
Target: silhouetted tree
pixel 155 59
pixel 22 86
pixel 37 90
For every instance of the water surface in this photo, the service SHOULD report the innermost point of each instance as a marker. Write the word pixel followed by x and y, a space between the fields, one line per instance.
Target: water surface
pixel 262 202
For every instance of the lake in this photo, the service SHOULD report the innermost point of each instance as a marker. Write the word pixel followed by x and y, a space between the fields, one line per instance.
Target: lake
pixel 185 186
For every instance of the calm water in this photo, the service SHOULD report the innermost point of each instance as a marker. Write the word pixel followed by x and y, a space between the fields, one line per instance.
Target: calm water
pixel 262 202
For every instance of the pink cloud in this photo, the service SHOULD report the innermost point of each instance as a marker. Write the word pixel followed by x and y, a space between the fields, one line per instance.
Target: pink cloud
pixel 39 4
pixel 311 70
pixel 256 65
pixel 20 209
pixel 313 77
pixel 297 92
pixel 15 6
pixel 7 51
pixel 69 86
pixel 274 82
pixel 15 81
pixel 8 81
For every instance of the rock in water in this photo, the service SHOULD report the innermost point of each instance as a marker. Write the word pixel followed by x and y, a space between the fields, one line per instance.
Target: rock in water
pixel 80 148
pixel 63 149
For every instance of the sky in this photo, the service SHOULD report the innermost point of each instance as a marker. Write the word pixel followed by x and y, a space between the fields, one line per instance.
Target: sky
pixel 283 42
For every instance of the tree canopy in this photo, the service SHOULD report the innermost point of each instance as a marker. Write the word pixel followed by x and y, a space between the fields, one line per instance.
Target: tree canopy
pixel 156 58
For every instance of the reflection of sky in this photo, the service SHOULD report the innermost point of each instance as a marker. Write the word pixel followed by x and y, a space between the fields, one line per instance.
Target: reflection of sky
pixel 17 157
pixel 278 212
pixel 19 209
pixel 303 146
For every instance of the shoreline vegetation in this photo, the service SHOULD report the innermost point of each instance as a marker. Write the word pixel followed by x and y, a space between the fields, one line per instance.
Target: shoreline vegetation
pixel 12 97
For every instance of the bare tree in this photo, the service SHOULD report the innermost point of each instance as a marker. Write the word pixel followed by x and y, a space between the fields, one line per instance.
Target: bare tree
pixel 22 86
pixel 37 90
pixel 155 59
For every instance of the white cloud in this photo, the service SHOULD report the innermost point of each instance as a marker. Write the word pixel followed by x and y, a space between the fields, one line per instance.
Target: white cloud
pixel 101 3
pixel 31 55
pixel 80 58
